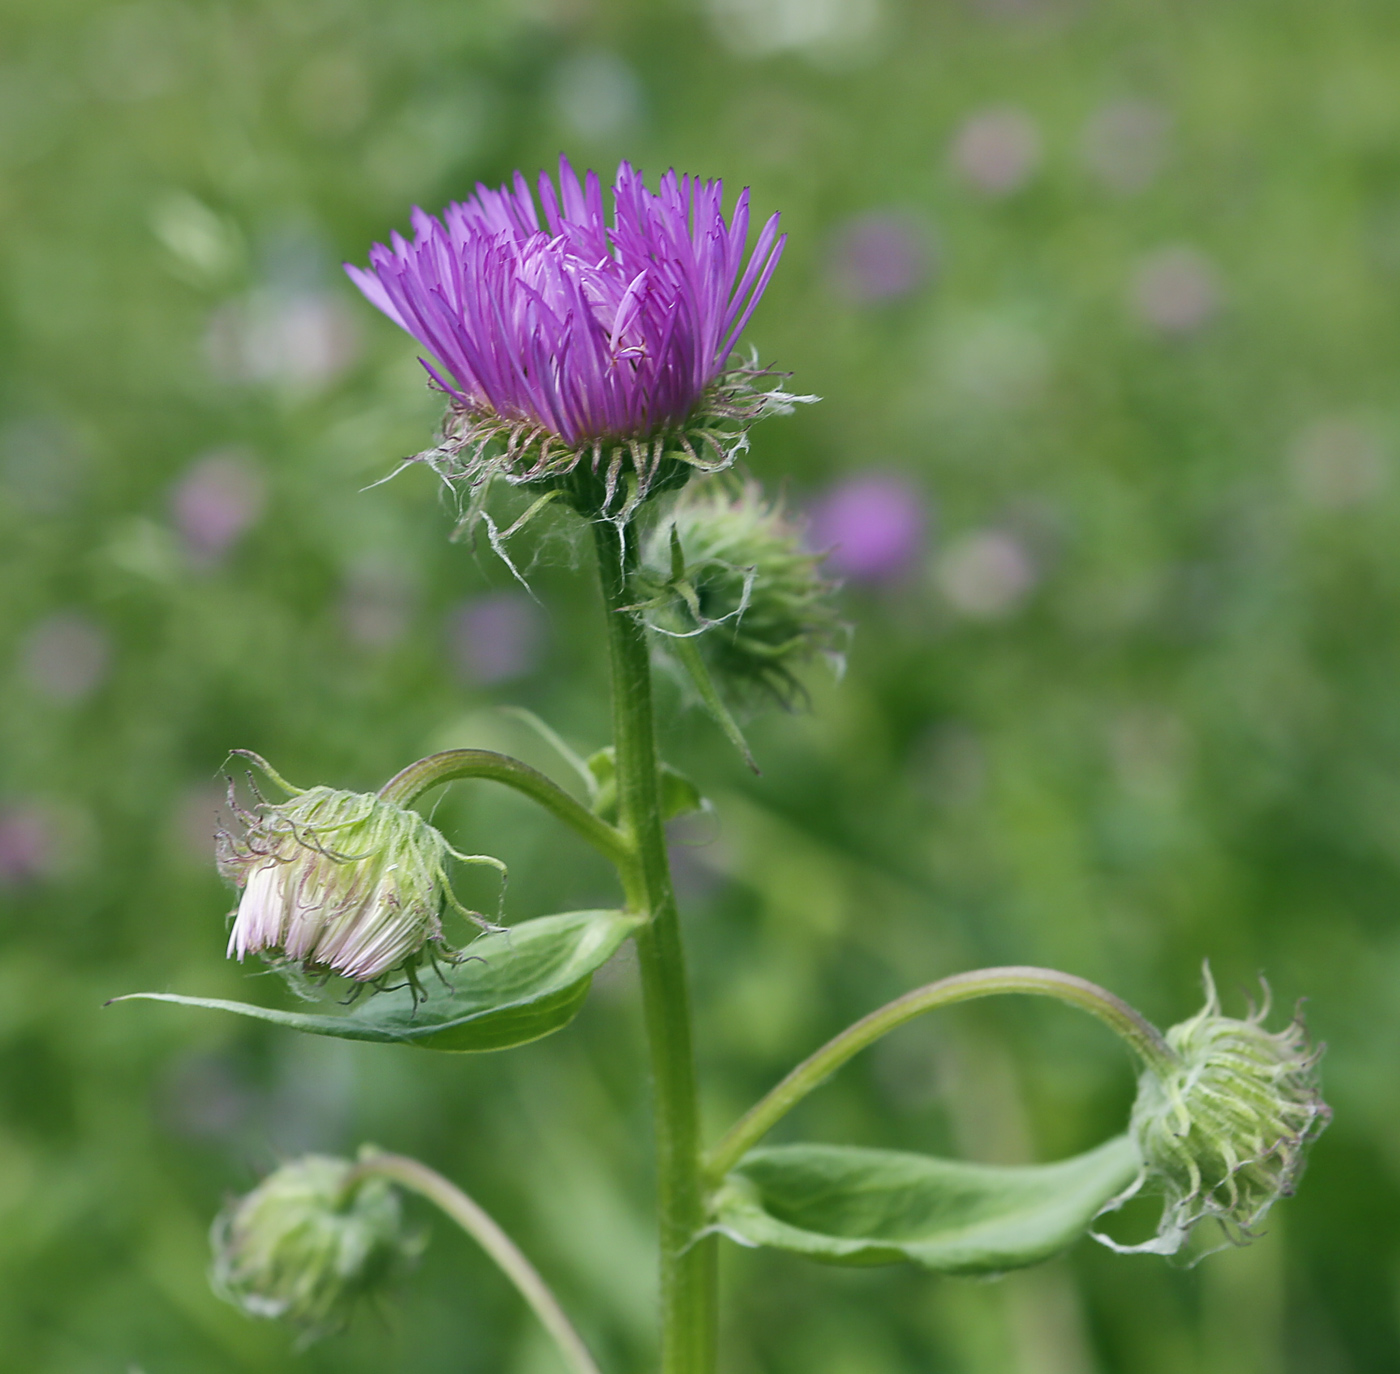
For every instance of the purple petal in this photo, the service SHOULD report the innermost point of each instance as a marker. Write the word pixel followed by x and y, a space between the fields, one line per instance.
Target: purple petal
pixel 589 329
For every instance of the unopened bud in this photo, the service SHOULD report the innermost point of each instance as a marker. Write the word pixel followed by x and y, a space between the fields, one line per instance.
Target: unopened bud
pixel 1224 1134
pixel 341 882
pixel 730 570
pixel 308 1242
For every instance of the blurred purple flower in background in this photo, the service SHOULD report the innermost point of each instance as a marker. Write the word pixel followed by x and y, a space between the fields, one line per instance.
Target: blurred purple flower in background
pixel 1175 290
pixel 495 638
pixel 1124 144
pixel 986 574
pixel 586 330
pixel 206 1096
pixel 879 256
pixel 873 525
pixel 26 844
pixel 1339 461
pixel 200 813
pixel 303 338
pixel 377 601
pixel 219 497
pixel 997 151
pixel 66 656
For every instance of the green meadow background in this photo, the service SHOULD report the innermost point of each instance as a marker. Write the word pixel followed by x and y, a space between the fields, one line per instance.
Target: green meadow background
pixel 1105 292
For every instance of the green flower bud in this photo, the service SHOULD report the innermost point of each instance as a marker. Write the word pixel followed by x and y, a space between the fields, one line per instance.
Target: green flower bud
pixel 308 1242
pixel 341 882
pixel 1224 1133
pixel 729 570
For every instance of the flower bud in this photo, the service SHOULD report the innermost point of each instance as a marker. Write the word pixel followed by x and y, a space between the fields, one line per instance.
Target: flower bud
pixel 308 1242
pixel 742 584
pixel 341 882
pixel 1224 1133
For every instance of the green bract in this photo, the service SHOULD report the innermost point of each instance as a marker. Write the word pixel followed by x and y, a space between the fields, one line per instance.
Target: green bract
pixel 308 1242
pixel 1224 1135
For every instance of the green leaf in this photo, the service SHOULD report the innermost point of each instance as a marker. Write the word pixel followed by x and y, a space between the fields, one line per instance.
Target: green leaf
pixel 518 985
pixel 846 1205
pixel 679 796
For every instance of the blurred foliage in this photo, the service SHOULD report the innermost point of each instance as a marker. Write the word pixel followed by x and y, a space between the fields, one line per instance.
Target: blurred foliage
pixel 1108 285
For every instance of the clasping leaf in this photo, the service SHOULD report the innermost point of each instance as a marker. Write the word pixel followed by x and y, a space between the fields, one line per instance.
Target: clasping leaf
pixel 846 1205
pixel 516 986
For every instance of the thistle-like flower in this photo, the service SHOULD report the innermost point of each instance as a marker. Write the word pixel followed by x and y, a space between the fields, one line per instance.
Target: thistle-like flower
pixel 728 571
pixel 308 1242
pixel 339 882
pixel 577 339
pixel 1224 1133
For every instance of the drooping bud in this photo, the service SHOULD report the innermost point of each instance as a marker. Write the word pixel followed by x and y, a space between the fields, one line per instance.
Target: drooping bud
pixel 730 573
pixel 342 882
pixel 308 1242
pixel 1224 1133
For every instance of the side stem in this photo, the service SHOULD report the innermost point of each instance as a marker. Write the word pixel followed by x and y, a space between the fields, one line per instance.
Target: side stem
pixel 1140 1034
pixel 428 1183
pixel 408 784
pixel 688 1264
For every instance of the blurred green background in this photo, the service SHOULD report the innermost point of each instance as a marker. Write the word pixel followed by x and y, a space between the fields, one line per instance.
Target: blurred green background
pixel 1102 297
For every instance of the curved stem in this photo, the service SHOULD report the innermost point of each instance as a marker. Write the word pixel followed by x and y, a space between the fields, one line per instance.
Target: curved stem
pixel 406 786
pixel 688 1264
pixel 443 1193
pixel 1143 1037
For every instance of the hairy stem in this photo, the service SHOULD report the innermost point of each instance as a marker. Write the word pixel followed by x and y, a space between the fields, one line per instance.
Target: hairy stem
pixel 428 1183
pixel 410 783
pixel 688 1264
pixel 1141 1035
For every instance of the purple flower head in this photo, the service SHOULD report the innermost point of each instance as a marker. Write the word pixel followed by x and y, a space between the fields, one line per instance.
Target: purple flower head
pixel 26 844
pixel 496 637
pixel 877 257
pixel 572 337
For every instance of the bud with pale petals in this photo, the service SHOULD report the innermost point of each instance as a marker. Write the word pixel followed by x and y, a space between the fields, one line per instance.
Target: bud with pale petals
pixel 339 882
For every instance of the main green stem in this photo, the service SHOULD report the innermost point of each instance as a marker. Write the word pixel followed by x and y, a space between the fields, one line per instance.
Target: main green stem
pixel 688 1262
